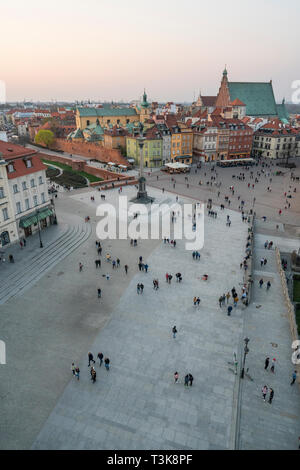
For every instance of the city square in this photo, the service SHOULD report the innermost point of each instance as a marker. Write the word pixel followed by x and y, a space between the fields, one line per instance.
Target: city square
pixel 150 231
pixel 136 405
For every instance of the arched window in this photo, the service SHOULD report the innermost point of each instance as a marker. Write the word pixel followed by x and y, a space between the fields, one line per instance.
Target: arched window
pixel 4 238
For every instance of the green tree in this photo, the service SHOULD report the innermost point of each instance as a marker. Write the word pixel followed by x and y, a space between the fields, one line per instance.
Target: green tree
pixel 44 137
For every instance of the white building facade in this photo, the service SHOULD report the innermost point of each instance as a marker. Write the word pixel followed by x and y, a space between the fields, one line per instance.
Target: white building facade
pixel 8 226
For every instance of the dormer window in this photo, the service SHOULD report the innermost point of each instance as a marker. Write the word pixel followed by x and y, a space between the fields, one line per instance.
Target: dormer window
pixel 10 168
pixel 28 163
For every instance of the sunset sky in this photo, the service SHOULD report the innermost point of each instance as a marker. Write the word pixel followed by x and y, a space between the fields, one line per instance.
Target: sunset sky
pixel 112 49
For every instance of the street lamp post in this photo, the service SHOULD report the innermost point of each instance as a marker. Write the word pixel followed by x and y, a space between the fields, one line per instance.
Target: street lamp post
pixel 39 229
pixel 246 350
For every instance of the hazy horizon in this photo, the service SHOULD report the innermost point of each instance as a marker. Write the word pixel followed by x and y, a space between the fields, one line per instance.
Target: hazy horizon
pixel 96 50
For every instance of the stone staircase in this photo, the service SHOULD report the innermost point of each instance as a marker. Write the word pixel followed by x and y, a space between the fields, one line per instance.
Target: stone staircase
pixel 33 269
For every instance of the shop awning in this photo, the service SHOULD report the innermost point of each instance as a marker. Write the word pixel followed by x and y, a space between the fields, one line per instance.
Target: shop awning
pixel 33 219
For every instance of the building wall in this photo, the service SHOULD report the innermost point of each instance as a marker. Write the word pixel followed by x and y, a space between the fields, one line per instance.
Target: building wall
pixel 114 142
pixel 166 155
pixel 83 122
pixel 91 150
pixel 276 146
pixel 152 151
pixel 6 204
pixel 29 193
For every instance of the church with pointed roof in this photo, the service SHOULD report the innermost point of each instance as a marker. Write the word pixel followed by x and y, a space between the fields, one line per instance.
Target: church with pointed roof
pixel 239 99
pixel 254 99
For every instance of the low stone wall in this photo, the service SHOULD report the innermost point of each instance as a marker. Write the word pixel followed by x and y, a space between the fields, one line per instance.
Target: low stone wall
pixel 109 184
pixel 90 150
pixel 108 176
pixel 55 158
pixel 289 307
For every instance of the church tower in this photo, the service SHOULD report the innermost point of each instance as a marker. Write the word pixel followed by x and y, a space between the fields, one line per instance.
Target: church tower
pixel 223 98
pixel 145 108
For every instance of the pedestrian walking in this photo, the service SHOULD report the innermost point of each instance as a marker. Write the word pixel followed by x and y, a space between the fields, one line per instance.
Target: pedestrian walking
pixel 106 363
pixel 77 372
pixel 142 288
pixel 176 376
pixel 267 361
pixel 93 375
pixel 191 378
pixel 126 268
pixel 138 288
pixel 228 296
pixel 100 357
pixel 174 331
pixel 90 358
pixel 73 368
pixel 294 376
pixel 229 310
pixel 261 282
pixel 186 380
pixel 271 396
pixel 99 293
pixel 273 365
pixel 264 392
pixel 80 267
pixel 268 285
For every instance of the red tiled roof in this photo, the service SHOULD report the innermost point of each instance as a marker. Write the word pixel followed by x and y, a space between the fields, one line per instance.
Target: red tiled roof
pixel 10 151
pixel 22 170
pixel 116 131
pixel 150 133
pixel 237 102
pixel 217 112
pixel 208 100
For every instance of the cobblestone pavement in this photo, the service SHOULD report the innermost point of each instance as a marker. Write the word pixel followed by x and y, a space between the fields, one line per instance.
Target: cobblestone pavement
pixel 266 203
pixel 264 425
pixel 136 405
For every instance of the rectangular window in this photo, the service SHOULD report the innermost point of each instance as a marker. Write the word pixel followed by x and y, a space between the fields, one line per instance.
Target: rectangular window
pixel 15 189
pixel 24 186
pixel 43 197
pixel 35 200
pixel 32 183
pixel 18 205
pixel 40 180
pixel 27 206
pixel 5 214
pixel 1 193
pixel 28 163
